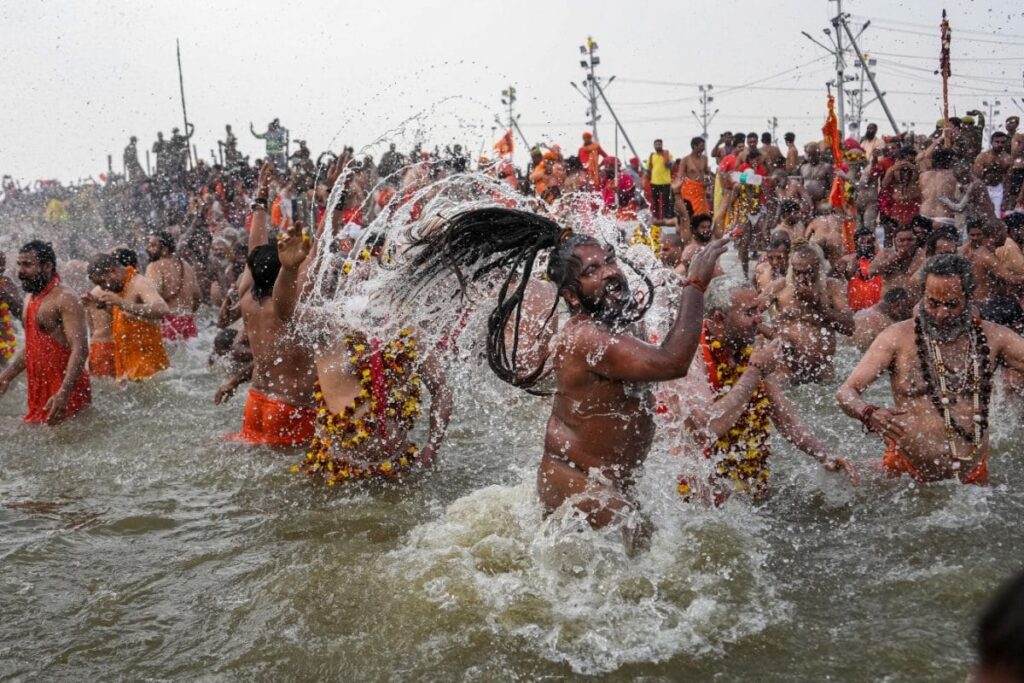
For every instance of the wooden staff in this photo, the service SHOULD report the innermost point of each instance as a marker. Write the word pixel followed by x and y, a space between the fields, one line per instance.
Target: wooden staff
pixel 944 68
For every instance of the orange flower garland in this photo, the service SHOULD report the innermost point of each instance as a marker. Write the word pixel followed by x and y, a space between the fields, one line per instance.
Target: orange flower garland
pixel 345 431
pixel 8 342
pixel 741 455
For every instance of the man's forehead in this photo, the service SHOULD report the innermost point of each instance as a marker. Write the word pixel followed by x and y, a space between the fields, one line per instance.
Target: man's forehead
pixel 937 286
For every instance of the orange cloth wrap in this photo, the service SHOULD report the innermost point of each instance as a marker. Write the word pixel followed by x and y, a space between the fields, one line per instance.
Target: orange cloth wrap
pixel 138 344
pixel 895 463
pixel 274 423
pixel 101 359
pixel 695 193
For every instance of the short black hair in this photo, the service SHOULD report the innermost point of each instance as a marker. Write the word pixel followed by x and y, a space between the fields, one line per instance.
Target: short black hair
pixel 264 266
pixel 43 251
pixel 101 264
pixel 696 141
pixel 947 232
pixel 943 158
pixel 166 240
pixel 897 295
pixel 126 257
pixel 700 218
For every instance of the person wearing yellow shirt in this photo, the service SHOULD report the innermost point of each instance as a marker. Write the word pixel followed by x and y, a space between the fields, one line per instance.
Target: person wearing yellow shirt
pixel 659 166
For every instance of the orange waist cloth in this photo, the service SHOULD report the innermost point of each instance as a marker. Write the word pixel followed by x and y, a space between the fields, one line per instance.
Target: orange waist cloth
pixel 46 362
pixel 274 423
pixel 895 462
pixel 696 194
pixel 101 359
pixel 138 344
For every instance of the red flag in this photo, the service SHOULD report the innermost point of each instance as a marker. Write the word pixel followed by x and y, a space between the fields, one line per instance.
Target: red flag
pixel 504 146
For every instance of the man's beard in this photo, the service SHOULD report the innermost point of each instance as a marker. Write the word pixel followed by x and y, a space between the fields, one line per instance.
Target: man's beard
pixel 153 257
pixel 869 135
pixel 34 285
pixel 612 306
pixel 946 330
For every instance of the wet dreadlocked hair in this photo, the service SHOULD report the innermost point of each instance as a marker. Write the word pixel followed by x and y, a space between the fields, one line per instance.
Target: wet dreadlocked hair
pixel 482 241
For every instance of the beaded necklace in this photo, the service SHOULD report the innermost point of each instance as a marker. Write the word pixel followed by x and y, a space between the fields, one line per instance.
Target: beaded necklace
pixel 930 359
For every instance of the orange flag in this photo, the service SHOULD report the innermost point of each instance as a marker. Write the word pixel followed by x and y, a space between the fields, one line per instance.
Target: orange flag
pixel 504 146
pixel 837 197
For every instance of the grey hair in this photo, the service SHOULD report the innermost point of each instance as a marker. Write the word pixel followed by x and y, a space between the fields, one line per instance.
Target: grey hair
pixel 720 292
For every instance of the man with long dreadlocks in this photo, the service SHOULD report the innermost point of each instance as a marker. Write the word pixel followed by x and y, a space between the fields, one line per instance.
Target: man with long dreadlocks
pixel 940 364
pixel 602 423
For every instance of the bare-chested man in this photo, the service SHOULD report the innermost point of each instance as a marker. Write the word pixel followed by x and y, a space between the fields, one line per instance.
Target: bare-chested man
pixel 993 275
pixel 695 176
pixel 101 335
pixel 136 309
pixel 939 188
pixel 898 265
pixel 601 424
pixel 940 366
pixel 868 323
pixel 817 175
pixel 811 308
pixel 354 440
pixel 730 399
pixel 791 218
pixel 991 168
pixel 775 262
pixel 702 234
pixel 826 232
pixel 279 410
pixel 177 284
pixel 54 353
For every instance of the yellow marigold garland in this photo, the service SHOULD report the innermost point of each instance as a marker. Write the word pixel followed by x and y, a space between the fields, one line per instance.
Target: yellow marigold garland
pixel 346 431
pixel 8 341
pixel 651 238
pixel 741 455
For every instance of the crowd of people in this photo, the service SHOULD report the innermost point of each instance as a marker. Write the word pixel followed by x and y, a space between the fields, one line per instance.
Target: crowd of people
pixel 909 245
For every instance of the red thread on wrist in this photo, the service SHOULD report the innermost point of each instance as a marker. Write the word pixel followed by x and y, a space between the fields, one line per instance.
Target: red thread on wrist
pixel 695 283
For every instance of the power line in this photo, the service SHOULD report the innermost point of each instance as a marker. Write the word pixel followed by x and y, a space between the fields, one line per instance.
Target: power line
pixel 920 25
pixel 933 35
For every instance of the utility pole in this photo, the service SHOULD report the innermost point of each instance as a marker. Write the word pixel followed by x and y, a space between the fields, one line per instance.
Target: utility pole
pixel 857 122
pixel 870 74
pixel 508 97
pixel 992 113
pixel 841 25
pixel 705 100
pixel 589 59
pixel 773 123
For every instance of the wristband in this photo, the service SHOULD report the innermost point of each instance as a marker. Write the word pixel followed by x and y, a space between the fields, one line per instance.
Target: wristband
pixel 696 284
pixel 865 414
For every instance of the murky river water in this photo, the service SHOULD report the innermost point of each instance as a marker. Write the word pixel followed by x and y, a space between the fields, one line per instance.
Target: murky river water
pixel 142 546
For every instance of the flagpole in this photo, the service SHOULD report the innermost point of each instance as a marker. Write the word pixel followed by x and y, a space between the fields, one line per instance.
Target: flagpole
pixel 944 66
pixel 184 112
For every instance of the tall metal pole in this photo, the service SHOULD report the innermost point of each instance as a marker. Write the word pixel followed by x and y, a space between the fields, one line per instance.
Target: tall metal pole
pixel 616 119
pixel 840 66
pixel 871 77
pixel 184 112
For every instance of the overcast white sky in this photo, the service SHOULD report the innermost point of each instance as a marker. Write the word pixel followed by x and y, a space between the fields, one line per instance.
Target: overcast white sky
pixel 80 77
